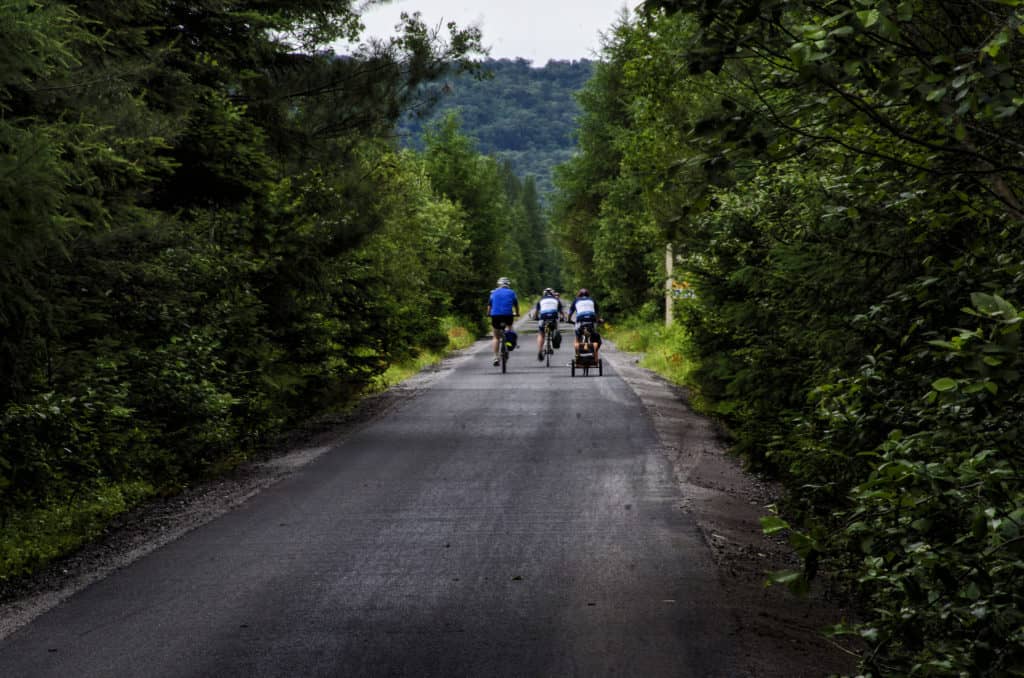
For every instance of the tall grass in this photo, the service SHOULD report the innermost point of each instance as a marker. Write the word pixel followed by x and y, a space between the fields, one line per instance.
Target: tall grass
pixel 664 348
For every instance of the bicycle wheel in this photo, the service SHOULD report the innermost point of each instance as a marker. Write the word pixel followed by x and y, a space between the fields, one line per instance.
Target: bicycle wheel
pixel 600 368
pixel 503 342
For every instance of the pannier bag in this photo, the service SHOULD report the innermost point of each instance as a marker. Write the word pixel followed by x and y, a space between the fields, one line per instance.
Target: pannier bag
pixel 511 339
pixel 556 339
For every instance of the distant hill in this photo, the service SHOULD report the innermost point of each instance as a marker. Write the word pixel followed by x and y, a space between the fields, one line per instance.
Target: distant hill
pixel 521 114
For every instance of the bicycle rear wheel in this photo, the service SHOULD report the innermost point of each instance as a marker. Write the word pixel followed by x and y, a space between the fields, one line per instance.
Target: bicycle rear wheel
pixel 503 348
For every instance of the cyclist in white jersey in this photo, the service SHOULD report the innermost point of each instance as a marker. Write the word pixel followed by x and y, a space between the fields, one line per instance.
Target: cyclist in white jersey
pixel 585 309
pixel 549 307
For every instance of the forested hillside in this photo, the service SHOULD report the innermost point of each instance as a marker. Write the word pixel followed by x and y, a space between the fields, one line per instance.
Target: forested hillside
pixel 842 186
pixel 523 115
pixel 208 234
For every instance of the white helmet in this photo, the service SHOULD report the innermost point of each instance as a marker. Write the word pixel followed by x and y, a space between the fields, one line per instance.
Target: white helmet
pixel 504 282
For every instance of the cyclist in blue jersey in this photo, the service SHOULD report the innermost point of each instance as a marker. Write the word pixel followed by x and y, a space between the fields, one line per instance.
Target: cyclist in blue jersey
pixel 502 307
pixel 585 309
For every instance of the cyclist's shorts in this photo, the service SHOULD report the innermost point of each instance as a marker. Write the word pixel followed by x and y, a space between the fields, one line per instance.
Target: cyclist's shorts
pixel 498 320
pixel 543 320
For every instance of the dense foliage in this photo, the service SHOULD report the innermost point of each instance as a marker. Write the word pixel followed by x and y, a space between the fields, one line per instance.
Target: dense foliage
pixel 208 233
pixel 523 115
pixel 841 183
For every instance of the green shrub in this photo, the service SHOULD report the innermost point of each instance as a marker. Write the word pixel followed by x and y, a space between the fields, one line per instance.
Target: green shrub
pixel 30 538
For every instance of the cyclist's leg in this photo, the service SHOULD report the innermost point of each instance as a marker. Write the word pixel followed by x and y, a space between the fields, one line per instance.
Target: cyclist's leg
pixel 496 333
pixel 540 338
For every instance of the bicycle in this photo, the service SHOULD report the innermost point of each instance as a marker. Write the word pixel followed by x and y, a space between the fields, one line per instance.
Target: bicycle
pixel 549 328
pixel 504 345
pixel 584 359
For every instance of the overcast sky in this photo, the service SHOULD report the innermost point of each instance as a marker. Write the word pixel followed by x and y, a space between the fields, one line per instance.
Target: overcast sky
pixel 537 30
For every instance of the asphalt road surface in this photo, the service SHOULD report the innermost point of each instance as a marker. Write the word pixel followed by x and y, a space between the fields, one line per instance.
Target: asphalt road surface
pixel 524 524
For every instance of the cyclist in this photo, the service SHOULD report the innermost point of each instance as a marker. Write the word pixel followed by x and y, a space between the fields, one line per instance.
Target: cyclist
pixel 549 307
pixel 585 309
pixel 502 306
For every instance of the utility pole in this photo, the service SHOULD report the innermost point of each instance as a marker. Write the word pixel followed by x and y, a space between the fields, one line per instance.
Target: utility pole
pixel 669 283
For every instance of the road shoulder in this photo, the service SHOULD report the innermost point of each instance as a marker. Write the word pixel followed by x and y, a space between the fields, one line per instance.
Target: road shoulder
pixel 780 633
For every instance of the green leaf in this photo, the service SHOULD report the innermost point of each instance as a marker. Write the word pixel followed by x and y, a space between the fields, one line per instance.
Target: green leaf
pixel 799 52
pixel 992 305
pixel 996 45
pixel 869 18
pixel 889 29
pixel 785 576
pixel 794 580
pixel 773 524
pixel 944 384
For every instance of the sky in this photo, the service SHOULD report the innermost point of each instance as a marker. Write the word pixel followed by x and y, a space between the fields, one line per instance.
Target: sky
pixel 537 30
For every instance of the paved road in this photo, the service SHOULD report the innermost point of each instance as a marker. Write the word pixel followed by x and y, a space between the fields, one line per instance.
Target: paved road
pixel 524 524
